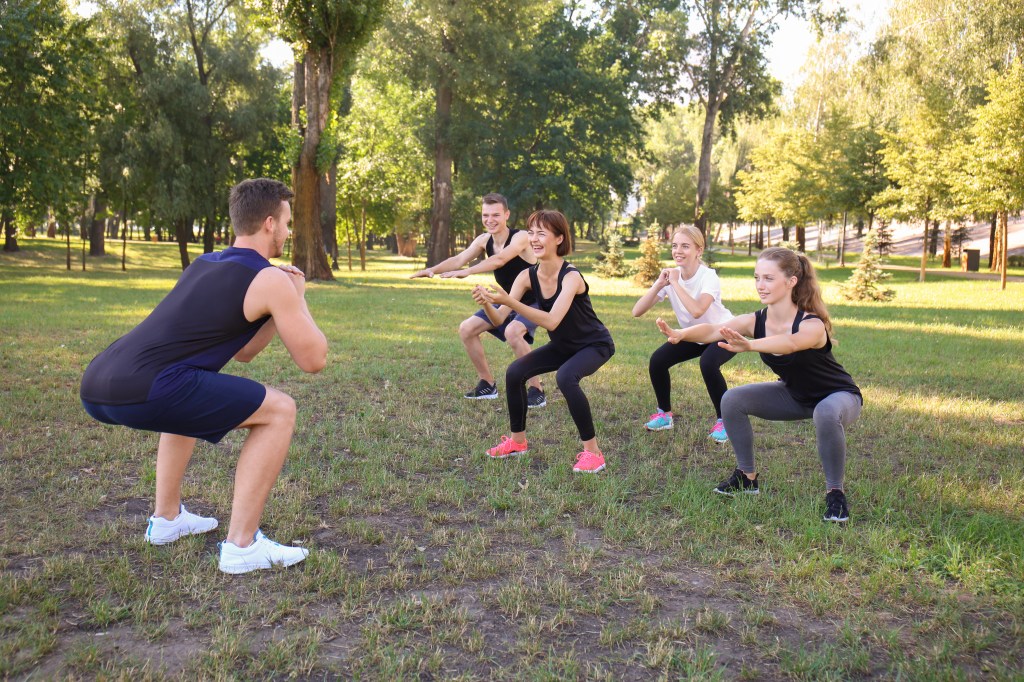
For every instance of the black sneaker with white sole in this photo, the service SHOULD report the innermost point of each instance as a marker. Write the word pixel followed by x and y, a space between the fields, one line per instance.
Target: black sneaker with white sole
pixel 738 483
pixel 535 397
pixel 483 391
pixel 835 507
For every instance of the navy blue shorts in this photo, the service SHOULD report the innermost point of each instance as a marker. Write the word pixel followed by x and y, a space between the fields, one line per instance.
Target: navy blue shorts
pixel 203 405
pixel 499 332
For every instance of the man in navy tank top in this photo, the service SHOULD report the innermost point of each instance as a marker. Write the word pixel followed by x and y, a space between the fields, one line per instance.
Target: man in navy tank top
pixel 505 252
pixel 164 375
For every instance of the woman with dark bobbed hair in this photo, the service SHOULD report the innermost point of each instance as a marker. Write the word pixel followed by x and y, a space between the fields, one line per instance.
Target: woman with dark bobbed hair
pixel 579 343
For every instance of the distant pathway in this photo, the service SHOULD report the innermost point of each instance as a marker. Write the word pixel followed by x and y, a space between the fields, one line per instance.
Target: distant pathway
pixel 950 272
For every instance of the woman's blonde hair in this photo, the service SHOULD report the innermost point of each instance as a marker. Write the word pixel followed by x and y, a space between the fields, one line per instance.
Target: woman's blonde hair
pixel 695 235
pixel 806 293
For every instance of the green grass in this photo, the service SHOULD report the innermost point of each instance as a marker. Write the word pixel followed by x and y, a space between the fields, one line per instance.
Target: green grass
pixel 429 561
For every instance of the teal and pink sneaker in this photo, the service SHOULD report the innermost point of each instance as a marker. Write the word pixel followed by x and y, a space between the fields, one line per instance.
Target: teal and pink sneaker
pixel 660 421
pixel 506 448
pixel 588 462
pixel 718 433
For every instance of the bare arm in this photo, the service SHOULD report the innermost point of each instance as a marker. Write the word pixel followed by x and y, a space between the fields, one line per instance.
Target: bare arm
pixel 257 343
pixel 811 334
pixel 515 247
pixel 706 333
pixel 648 300
pixel 281 294
pixel 572 285
pixel 457 261
pixel 695 306
pixel 498 315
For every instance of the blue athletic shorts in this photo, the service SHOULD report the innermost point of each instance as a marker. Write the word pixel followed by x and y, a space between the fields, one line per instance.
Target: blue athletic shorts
pixel 499 332
pixel 203 404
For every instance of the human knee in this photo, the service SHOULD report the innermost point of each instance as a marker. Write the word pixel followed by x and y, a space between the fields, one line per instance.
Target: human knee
pixel 468 329
pixel 515 331
pixel 826 414
pixel 282 406
pixel 515 374
pixel 732 402
pixel 567 379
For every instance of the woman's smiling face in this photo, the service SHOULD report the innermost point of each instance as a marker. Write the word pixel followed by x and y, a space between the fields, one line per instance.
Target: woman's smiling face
pixel 684 252
pixel 543 240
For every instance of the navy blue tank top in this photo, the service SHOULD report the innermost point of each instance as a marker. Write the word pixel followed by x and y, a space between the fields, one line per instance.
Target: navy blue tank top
pixel 580 327
pixel 507 273
pixel 199 324
pixel 810 375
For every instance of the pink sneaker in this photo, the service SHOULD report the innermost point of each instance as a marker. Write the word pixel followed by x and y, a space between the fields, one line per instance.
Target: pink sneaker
pixel 589 462
pixel 506 448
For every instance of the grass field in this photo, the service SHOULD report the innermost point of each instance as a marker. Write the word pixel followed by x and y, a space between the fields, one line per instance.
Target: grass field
pixel 431 562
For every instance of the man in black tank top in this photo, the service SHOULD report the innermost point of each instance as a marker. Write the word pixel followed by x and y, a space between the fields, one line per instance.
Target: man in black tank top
pixel 164 375
pixel 505 252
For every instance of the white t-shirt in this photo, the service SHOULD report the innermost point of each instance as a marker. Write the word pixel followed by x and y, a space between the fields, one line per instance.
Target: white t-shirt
pixel 704 281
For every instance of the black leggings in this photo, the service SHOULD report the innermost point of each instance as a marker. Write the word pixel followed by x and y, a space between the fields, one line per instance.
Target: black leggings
pixel 571 365
pixel 711 360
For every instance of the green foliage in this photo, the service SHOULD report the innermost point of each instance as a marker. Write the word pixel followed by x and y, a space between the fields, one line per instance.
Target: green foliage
pixel 612 263
pixel 649 265
pixel 49 63
pixel 866 281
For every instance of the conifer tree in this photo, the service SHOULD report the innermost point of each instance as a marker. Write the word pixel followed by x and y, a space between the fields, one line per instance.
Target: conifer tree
pixel 649 265
pixel 865 284
pixel 613 262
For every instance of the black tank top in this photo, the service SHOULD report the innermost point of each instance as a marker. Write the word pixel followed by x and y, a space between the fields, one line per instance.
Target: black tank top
pixel 580 327
pixel 199 324
pixel 810 375
pixel 507 273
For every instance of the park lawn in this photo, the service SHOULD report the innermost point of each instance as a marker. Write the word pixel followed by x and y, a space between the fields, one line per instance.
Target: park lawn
pixel 430 561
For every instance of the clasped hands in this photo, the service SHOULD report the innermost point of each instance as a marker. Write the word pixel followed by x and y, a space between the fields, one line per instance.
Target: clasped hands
pixel 493 295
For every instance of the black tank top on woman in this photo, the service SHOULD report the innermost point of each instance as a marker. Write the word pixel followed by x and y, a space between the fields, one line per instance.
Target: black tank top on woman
pixel 507 273
pixel 810 375
pixel 580 327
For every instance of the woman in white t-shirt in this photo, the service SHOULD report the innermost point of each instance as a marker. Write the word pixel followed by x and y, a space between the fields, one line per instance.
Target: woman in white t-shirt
pixel 696 296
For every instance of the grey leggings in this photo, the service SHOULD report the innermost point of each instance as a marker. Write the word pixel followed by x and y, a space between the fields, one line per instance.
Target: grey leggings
pixel 772 401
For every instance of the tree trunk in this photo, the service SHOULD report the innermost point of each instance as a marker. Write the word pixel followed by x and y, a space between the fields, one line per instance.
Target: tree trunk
pixel 785 233
pixel 947 245
pixel 329 212
pixel 10 231
pixel 924 251
pixel 311 92
pixel 97 228
pixel 183 230
pixel 1004 251
pixel 707 139
pixel 362 237
pixel 801 238
pixel 841 244
pixel 992 243
pixel 439 243
pixel 208 235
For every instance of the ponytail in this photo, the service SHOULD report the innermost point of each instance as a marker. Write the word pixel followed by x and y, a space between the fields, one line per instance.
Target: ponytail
pixel 807 292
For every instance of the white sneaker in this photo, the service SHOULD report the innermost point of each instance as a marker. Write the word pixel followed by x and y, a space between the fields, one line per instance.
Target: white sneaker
pixel 262 553
pixel 162 532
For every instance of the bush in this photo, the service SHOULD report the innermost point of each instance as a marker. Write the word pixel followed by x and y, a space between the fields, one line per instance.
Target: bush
pixel 612 262
pixel 865 284
pixel 649 265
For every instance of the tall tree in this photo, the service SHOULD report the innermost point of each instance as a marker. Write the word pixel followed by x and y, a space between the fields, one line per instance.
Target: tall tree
pixel 327 36
pixel 48 66
pixel 727 71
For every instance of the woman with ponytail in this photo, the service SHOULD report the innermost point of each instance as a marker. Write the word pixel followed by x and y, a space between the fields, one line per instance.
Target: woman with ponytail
pixel 793 335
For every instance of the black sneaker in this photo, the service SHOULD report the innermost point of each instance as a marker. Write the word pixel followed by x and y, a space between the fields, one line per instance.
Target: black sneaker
pixel 483 391
pixel 738 483
pixel 835 507
pixel 535 397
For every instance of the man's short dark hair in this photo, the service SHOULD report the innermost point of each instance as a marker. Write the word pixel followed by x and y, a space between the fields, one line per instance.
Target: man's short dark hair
pixel 495 198
pixel 253 200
